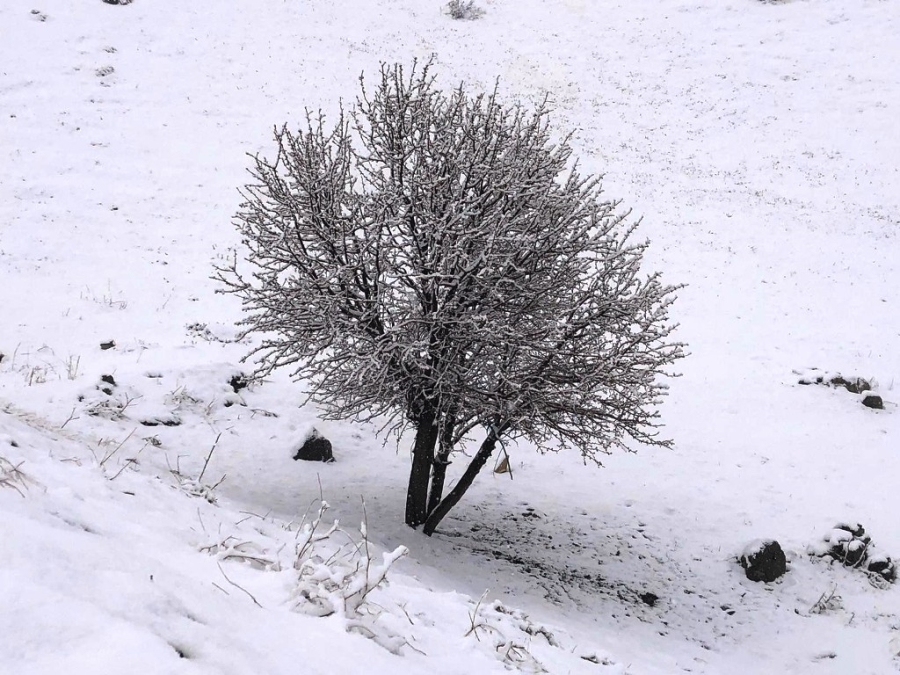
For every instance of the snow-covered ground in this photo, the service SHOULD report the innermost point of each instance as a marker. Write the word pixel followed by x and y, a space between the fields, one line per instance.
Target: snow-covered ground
pixel 760 143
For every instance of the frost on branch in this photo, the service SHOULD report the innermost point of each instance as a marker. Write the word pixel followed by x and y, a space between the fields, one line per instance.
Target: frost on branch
pixel 437 260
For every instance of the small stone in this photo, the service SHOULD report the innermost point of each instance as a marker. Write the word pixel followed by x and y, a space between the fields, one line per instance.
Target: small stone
pixel 108 345
pixel 315 448
pixel 239 382
pixel 873 401
pixel 109 379
pixel 764 561
pixel 649 599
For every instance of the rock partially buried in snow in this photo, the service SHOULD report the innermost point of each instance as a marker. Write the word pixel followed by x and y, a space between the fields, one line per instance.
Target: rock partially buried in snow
pixel 315 448
pixel 873 401
pixel 855 385
pixel 764 560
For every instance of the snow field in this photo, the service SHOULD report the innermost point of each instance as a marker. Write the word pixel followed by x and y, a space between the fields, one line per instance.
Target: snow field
pixel 758 141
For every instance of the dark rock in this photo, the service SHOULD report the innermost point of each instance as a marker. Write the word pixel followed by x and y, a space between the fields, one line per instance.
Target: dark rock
pixel 764 562
pixel 108 345
pixel 109 379
pixel 649 599
pixel 858 386
pixel 239 382
pixel 315 448
pixel 165 421
pixel 884 568
pixel 873 401
pixel 855 385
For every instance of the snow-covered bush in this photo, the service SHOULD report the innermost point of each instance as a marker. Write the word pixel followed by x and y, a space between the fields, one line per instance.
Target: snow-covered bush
pixel 335 572
pixel 511 631
pixel 849 545
pixel 464 9
pixel 337 581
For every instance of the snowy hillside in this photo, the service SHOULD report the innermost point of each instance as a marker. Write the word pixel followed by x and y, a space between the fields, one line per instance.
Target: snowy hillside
pixel 152 519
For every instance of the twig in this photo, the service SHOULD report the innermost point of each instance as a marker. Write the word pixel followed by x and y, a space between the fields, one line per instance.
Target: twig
pixel 473 615
pixel 824 603
pixel 237 555
pixel 117 448
pixel 250 514
pixel 218 483
pixel 130 461
pixel 365 536
pixel 240 588
pixel 208 457
pixel 128 401
pixel 408 617
pixel 70 418
pixel 413 647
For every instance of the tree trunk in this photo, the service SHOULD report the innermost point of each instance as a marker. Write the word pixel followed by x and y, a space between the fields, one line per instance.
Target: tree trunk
pixel 441 461
pixel 420 473
pixel 475 466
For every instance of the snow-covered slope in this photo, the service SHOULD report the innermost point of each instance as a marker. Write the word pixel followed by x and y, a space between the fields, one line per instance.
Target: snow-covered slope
pixel 759 142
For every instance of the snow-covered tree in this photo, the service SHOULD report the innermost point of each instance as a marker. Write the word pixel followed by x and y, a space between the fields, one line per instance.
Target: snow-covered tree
pixel 435 260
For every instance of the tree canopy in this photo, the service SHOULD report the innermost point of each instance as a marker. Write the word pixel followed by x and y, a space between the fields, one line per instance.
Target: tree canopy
pixel 437 260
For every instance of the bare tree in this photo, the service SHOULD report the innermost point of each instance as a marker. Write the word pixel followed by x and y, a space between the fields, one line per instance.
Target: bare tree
pixel 437 261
